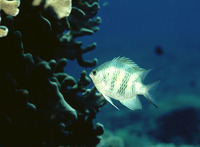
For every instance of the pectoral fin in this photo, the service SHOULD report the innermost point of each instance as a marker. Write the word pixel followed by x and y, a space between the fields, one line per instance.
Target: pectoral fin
pixel 132 103
pixel 110 101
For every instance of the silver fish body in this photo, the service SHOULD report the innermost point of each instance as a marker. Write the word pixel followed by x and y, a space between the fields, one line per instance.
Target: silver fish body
pixel 121 79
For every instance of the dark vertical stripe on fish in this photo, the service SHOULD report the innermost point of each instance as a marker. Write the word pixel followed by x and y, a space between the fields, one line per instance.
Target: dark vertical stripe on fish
pixel 133 87
pixel 114 79
pixel 104 79
pixel 123 84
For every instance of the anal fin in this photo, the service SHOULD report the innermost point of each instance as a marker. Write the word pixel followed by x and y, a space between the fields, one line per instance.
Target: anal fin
pixel 132 103
pixel 109 100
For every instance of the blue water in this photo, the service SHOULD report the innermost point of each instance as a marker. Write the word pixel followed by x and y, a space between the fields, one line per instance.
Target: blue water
pixel 134 28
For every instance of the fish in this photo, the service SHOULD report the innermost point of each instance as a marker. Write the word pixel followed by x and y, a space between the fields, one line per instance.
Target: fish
pixel 122 79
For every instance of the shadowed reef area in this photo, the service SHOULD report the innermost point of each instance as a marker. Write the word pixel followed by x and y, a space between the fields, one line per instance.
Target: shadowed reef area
pixel 40 105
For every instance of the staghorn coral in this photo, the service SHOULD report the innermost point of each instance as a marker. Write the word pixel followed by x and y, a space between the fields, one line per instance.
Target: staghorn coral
pixel 3 31
pixel 81 24
pixel 41 105
pixel 61 8
pixel 11 8
pixel 57 36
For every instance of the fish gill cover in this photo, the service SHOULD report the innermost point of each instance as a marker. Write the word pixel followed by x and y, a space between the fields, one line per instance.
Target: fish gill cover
pixel 40 104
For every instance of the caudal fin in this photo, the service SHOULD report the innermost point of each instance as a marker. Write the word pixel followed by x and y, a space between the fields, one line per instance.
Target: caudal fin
pixel 149 90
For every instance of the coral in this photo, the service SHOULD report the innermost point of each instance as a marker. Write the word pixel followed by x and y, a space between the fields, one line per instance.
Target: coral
pixel 111 140
pixel 180 126
pixel 3 31
pixel 36 2
pixel 81 24
pixel 11 8
pixel 61 8
pixel 40 104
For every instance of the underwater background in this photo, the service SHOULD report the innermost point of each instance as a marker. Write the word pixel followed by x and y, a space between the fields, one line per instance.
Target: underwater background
pixel 163 36
pixel 47 52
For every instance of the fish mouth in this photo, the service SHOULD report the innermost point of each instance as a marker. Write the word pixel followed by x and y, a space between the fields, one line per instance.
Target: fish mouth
pixel 90 75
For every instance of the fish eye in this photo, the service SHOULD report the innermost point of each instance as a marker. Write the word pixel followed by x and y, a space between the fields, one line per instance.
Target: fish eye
pixel 94 72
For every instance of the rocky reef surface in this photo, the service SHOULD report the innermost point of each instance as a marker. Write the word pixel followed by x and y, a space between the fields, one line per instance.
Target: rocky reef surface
pixel 40 104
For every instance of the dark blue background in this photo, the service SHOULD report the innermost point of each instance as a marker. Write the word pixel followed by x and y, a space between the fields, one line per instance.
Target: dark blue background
pixel 134 28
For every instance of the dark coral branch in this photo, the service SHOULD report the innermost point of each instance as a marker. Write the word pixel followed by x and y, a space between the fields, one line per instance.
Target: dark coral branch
pixel 52 43
pixel 40 104
pixel 86 63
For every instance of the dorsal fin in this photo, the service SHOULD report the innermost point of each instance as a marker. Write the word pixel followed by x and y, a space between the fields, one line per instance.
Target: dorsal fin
pixel 144 73
pixel 126 61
